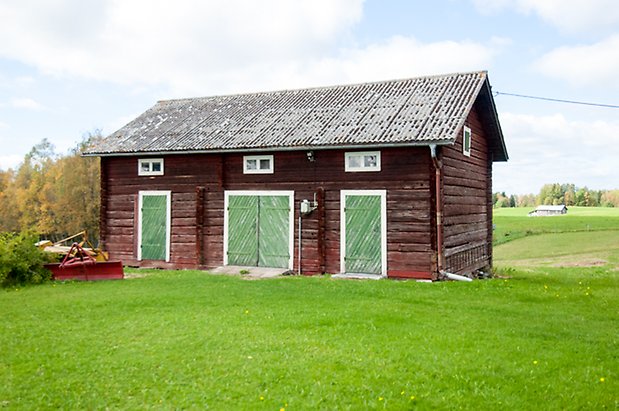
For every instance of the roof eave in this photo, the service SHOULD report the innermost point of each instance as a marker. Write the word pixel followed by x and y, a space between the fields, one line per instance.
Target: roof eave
pixel 270 149
pixel 500 152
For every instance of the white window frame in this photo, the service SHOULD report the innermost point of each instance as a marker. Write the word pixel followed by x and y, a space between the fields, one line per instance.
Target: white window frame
pixel 253 193
pixel 362 168
pixel 383 227
pixel 467 130
pixel 150 162
pixel 258 159
pixel 168 195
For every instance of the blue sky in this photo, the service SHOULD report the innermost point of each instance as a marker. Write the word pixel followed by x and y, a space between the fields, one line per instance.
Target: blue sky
pixel 69 67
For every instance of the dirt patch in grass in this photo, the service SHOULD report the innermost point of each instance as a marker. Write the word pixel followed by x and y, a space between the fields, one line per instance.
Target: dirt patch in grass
pixel 593 262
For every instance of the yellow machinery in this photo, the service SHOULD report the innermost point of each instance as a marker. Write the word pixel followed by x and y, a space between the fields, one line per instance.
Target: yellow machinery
pixel 64 247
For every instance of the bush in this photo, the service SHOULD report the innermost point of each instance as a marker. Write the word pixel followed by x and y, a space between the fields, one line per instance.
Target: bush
pixel 21 262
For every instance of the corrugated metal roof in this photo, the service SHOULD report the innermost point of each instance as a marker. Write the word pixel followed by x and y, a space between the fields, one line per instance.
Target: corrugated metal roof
pixel 421 110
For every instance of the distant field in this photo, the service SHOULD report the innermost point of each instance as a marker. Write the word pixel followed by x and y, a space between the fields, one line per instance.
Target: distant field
pixel 577 249
pixel 513 223
pixel 572 211
pixel 585 237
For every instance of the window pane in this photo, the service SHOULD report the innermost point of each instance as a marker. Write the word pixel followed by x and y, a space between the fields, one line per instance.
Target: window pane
pixel 251 165
pixel 156 166
pixel 145 166
pixel 369 161
pixel 265 164
pixel 354 161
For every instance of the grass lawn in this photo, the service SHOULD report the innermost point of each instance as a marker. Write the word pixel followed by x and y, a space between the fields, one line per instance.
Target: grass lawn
pixel 543 335
pixel 513 223
pixel 544 338
pixel 575 249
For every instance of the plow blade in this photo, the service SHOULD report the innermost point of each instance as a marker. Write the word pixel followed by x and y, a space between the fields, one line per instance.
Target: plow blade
pixel 87 271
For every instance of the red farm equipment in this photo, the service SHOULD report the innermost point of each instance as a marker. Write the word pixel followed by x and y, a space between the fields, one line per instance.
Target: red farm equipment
pixel 79 263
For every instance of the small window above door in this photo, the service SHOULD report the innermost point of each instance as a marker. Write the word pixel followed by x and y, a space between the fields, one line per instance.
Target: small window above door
pixel 150 167
pixel 258 164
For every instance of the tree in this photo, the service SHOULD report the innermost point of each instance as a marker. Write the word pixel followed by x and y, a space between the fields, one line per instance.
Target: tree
pixel 512 201
pixel 52 194
pixel 570 197
pixel 610 198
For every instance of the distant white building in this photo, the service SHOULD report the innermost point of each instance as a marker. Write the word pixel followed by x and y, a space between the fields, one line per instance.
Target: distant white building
pixel 548 210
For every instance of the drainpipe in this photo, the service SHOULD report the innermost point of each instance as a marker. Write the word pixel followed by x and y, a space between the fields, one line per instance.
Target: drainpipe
pixel 439 209
pixel 300 226
pixel 455 277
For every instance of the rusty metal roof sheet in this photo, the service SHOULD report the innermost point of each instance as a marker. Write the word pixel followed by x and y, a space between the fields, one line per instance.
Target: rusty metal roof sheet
pixel 424 110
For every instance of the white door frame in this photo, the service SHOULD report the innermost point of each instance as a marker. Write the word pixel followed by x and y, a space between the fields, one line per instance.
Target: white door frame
pixel 281 193
pixel 383 225
pixel 168 195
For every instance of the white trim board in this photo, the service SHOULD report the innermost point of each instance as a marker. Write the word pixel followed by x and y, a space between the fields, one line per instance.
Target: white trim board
pixel 168 195
pixel 283 193
pixel 383 226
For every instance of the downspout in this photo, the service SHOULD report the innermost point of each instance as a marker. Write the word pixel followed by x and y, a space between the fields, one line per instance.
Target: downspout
pixel 439 209
pixel 300 226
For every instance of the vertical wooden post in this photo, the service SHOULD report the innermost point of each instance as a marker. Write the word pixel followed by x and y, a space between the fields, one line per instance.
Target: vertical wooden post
pixel 200 225
pixel 103 194
pixel 489 211
pixel 322 217
pixel 221 177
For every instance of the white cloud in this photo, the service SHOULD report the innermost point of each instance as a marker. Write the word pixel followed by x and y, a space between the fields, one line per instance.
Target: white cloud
pixel 595 64
pixel 567 15
pixel 405 57
pixel 26 103
pixel 553 149
pixel 397 57
pixel 149 42
pixel 10 161
pixel 198 47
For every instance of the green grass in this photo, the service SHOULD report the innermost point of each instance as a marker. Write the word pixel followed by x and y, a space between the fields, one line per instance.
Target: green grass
pixel 543 334
pixel 513 223
pixel 579 249
pixel 185 339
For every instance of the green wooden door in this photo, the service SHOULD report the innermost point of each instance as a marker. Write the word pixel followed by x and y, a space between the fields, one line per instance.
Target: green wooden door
pixel 273 232
pixel 258 231
pixel 363 234
pixel 243 230
pixel 154 226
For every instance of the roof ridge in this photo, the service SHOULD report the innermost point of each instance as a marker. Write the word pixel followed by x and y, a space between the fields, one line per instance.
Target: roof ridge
pixel 333 86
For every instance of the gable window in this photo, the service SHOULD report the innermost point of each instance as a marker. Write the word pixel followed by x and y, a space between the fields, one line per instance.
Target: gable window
pixel 362 161
pixel 258 164
pixel 150 167
pixel 466 141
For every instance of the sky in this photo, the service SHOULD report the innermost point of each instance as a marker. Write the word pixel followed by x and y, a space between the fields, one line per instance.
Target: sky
pixel 71 67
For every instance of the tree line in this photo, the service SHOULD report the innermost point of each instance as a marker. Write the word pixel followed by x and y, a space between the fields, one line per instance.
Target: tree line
pixel 556 194
pixel 50 193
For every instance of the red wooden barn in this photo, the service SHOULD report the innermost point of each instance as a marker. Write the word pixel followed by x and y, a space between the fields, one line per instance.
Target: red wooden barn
pixel 391 178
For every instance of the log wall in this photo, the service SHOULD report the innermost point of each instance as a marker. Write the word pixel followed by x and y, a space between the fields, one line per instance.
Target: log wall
pixel 467 202
pixel 198 182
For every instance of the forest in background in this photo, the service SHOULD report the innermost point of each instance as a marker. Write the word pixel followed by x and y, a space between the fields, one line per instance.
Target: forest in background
pixel 52 194
pixel 557 194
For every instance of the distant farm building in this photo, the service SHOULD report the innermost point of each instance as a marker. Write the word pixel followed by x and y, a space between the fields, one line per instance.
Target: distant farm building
pixel 386 179
pixel 548 210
